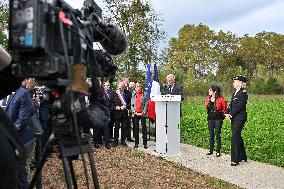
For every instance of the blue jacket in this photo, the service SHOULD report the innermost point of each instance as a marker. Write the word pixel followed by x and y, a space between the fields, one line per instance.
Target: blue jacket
pixel 19 110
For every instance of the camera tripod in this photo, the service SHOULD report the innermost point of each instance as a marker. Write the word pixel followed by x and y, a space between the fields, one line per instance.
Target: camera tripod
pixel 69 151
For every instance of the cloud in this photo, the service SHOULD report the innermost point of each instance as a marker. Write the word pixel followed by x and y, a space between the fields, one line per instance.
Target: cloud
pixel 268 18
pixel 212 13
pixel 237 16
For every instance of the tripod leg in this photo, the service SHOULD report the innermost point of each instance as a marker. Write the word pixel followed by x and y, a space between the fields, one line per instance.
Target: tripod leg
pixel 94 170
pixel 67 172
pixel 73 174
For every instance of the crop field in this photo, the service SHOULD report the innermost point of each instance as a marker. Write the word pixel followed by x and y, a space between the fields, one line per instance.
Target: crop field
pixel 263 133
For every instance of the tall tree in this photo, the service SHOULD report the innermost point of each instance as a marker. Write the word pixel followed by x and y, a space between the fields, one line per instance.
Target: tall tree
pixel 192 51
pixel 142 26
pixel 4 12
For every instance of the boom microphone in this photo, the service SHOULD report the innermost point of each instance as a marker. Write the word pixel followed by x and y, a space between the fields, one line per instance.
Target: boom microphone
pixel 112 39
pixel 5 58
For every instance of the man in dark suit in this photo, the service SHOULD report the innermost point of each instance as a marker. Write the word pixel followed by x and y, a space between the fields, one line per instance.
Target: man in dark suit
pixel 172 88
pixel 110 97
pixel 128 96
pixel 238 115
pixel 19 110
pixel 107 129
pixel 121 108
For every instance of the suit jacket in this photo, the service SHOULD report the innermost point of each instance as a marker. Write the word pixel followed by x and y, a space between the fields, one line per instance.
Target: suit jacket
pixel 175 90
pixel 109 99
pixel 44 111
pixel 144 105
pixel 19 110
pixel 237 107
pixel 128 96
pixel 118 114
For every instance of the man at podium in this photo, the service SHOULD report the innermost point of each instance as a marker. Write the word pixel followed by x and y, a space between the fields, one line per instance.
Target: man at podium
pixel 172 88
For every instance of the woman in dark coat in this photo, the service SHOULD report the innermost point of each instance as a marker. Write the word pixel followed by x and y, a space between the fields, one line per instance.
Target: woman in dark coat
pixel 238 115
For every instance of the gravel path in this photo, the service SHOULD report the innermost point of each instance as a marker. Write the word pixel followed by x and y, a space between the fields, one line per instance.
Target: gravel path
pixel 251 174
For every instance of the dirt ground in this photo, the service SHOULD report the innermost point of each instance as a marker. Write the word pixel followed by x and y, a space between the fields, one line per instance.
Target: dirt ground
pixel 127 168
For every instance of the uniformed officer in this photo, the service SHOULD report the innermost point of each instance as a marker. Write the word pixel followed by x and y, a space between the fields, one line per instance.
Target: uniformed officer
pixel 238 115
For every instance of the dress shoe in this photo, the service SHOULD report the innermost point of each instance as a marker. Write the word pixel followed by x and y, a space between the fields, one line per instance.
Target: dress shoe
pixel 123 143
pixel 218 154
pixel 209 153
pixel 145 146
pixel 96 146
pixel 130 140
pixel 234 164
pixel 115 144
pixel 136 146
pixel 108 146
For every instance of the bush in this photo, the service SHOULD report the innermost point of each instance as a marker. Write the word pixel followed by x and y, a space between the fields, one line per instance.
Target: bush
pixel 272 86
pixel 262 86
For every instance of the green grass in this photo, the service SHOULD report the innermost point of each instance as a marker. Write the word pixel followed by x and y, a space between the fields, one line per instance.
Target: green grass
pixel 263 133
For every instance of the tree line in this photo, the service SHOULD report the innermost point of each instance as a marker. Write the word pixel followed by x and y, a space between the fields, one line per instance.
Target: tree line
pixel 204 56
pixel 198 55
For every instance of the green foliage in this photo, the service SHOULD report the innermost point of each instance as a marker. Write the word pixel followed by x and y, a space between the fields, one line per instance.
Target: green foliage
pixel 263 133
pixel 205 55
pixel 137 154
pixel 142 27
pixel 265 86
pixel 4 23
pixel 272 86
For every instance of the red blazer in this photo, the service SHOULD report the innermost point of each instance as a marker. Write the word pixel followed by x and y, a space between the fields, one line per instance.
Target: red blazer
pixel 221 104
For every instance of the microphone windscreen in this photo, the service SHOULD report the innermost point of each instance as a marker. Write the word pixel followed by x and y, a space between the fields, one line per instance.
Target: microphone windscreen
pixel 117 42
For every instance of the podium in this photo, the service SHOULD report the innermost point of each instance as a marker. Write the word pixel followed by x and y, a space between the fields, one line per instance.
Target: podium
pixel 167 123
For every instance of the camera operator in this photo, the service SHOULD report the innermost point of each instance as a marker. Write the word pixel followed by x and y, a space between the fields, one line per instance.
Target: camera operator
pixel 19 109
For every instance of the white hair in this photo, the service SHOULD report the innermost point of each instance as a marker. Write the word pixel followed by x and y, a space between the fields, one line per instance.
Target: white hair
pixel 170 75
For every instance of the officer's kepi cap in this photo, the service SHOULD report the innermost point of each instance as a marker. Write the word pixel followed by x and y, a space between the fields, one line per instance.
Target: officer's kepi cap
pixel 240 78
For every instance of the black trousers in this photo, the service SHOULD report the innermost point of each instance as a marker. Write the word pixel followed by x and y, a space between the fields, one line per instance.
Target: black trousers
pixel 111 125
pixel 238 151
pixel 215 125
pixel 128 127
pixel 136 120
pixel 101 132
pixel 120 123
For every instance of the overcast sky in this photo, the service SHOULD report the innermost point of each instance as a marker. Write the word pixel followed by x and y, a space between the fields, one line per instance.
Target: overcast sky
pixel 237 16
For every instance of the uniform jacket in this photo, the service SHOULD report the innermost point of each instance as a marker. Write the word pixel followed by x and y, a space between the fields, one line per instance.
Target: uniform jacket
pixel 144 106
pixel 221 104
pixel 19 110
pixel 237 107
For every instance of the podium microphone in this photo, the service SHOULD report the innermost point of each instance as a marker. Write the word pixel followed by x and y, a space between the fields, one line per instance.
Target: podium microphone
pixel 5 58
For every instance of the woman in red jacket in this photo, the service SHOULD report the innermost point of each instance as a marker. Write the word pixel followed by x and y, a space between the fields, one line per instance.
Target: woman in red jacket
pixel 216 106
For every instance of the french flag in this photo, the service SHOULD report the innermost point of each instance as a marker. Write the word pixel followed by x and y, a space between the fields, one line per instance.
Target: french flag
pixel 155 90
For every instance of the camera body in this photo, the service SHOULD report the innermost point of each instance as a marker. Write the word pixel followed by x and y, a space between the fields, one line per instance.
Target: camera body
pixel 49 40
pixel 42 49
